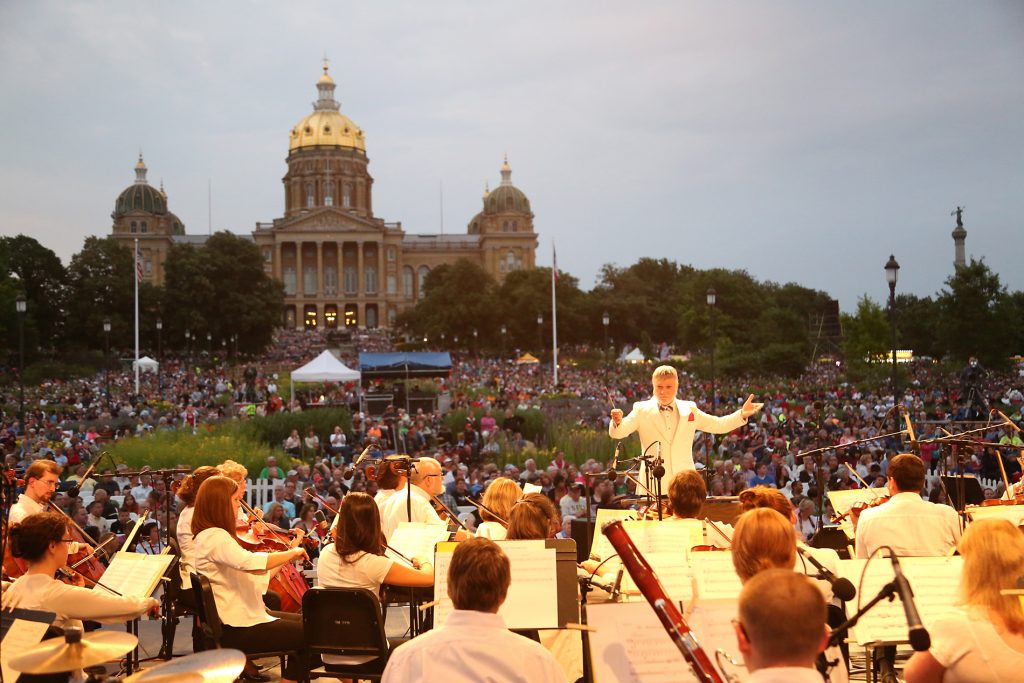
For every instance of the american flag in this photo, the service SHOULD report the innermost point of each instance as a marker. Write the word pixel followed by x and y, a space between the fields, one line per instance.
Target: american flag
pixel 138 265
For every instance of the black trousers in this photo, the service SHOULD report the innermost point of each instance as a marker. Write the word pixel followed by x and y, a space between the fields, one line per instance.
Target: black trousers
pixel 284 633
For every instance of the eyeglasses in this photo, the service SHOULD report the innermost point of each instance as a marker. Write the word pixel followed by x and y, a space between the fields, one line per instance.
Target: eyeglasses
pixel 68 540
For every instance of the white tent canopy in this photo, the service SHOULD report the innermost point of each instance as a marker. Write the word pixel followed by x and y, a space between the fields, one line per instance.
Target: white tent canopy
pixel 634 356
pixel 145 364
pixel 325 368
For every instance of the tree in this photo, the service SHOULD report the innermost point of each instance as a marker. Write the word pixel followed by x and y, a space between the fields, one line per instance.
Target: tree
pixel 868 334
pixel 41 277
pixel 975 315
pixel 526 293
pixel 101 285
pixel 458 298
pixel 221 289
pixel 917 325
pixel 639 298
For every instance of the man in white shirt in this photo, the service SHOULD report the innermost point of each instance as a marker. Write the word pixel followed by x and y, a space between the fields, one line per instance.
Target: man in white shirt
pixel 909 525
pixel 41 479
pixel 573 504
pixel 474 643
pixel 141 491
pixel 426 481
pixel 780 627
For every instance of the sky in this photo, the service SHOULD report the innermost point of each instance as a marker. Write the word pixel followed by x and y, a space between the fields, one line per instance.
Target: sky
pixel 801 141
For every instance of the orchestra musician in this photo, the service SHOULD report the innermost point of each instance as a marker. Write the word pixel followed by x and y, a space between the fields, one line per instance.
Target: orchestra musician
pixel 686 495
pixel 356 558
pixel 767 497
pixel 426 481
pixel 765 539
pixel 239 578
pixel 390 480
pixel 499 497
pixel 985 643
pixel 780 627
pixel 474 643
pixel 41 540
pixel 672 422
pixel 186 544
pixel 533 517
pixel 910 525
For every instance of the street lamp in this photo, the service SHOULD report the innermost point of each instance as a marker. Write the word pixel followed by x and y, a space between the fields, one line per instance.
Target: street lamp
pixel 892 271
pixel 504 331
pixel 605 321
pixel 106 353
pixel 21 305
pixel 442 340
pixel 188 355
pixel 540 332
pixel 159 356
pixel 209 344
pixel 234 342
pixel 474 340
pixel 711 302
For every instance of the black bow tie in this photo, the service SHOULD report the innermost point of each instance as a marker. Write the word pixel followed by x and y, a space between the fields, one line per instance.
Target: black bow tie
pixel 668 408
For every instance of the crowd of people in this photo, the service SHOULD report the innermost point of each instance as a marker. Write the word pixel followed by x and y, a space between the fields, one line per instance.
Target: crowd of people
pixel 774 444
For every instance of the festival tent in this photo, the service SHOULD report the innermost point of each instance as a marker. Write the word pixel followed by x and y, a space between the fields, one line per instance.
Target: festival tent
pixel 634 356
pixel 527 359
pixel 145 364
pixel 325 368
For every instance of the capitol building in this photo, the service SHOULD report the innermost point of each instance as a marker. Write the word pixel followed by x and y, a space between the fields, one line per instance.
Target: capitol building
pixel 341 265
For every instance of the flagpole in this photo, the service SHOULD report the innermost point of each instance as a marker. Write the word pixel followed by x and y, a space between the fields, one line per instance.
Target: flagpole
pixel 137 274
pixel 554 314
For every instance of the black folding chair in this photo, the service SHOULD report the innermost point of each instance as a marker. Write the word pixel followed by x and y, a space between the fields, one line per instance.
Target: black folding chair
pixel 211 625
pixel 345 623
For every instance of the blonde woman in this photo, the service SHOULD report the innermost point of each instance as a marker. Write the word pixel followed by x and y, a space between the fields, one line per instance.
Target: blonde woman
pixel 500 496
pixel 986 642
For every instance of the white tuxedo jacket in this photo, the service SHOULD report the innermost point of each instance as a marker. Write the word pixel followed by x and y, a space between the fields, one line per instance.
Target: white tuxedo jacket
pixel 645 418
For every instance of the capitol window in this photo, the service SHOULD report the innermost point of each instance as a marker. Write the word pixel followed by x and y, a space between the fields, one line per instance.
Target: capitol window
pixel 407 279
pixel 328 194
pixel 422 277
pixel 310 197
pixel 145 227
pixel 351 279
pixel 346 196
pixel 135 226
pixel 371 279
pixel 392 284
pixel 392 254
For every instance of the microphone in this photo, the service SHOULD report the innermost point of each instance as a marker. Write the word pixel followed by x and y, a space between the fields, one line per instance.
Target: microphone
pixel 611 473
pixel 842 587
pixel 919 638
pixel 659 467
pixel 77 487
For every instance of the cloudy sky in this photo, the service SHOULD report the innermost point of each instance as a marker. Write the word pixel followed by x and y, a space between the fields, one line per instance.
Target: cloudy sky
pixel 801 141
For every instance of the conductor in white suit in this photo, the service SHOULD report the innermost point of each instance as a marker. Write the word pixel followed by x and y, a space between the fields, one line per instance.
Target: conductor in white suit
pixel 672 422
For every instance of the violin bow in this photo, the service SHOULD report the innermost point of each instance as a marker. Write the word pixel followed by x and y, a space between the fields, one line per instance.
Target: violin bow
pixel 451 515
pixel 492 513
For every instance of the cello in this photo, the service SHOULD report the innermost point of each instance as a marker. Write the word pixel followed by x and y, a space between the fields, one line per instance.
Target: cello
pixel 258 536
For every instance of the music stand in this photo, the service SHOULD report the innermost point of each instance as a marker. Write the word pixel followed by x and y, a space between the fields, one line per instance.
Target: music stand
pixel 971 487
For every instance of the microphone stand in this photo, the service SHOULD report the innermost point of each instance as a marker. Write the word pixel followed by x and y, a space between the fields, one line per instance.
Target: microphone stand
pixel 168 613
pixel 888 592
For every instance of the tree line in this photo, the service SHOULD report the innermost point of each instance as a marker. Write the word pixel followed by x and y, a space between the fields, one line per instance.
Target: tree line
pixel 755 327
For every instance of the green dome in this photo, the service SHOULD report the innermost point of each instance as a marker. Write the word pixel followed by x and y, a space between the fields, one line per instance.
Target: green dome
pixel 140 198
pixel 505 198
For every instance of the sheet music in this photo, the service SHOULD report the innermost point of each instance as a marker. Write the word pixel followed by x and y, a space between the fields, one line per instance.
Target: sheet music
pixel 675 576
pixel 630 645
pixel 532 488
pixel 665 546
pixel 22 630
pixel 532 600
pixel 1013 513
pixel 417 539
pixel 716 577
pixel 135 574
pixel 844 500
pixel 599 546
pixel 934 580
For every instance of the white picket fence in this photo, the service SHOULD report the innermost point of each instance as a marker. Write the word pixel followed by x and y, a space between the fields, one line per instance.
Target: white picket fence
pixel 259 492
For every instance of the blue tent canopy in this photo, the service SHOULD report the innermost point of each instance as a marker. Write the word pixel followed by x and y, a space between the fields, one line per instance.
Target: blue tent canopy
pixel 411 364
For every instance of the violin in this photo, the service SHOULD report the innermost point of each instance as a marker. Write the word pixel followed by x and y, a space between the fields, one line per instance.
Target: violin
pixel 259 536
pixel 647 581
pixel 88 566
pixel 446 514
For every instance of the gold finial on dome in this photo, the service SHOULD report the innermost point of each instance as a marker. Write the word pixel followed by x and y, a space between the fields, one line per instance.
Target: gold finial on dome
pixel 162 192
pixel 487 189
pixel 506 172
pixel 140 171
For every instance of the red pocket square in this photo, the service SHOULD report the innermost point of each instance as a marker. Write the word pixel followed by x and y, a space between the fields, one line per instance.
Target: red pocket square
pixel 690 419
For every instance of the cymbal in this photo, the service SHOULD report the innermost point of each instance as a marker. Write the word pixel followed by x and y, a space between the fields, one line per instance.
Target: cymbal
pixel 57 655
pixel 210 666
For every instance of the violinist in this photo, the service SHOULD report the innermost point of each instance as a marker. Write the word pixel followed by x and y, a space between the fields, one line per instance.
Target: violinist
pixel 499 497
pixel 780 627
pixel 41 540
pixel 41 479
pixel 187 491
pixel 356 559
pixel 686 495
pixel 911 526
pixel 426 482
pixel 239 579
pixel 533 517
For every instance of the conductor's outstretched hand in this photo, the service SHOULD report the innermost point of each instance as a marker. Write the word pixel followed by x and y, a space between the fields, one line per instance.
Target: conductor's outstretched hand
pixel 750 408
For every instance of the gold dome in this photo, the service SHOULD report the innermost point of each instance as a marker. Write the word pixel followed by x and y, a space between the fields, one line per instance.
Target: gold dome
pixel 326 126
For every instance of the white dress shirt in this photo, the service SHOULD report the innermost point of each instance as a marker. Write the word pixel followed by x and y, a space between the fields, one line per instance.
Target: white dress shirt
pixel 785 674
pixel 471 647
pixel 972 651
pixel 23 508
pixel 367 571
pixel 186 544
pixel 237 591
pixel 71 603
pixel 395 512
pixel 911 526
pixel 492 530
